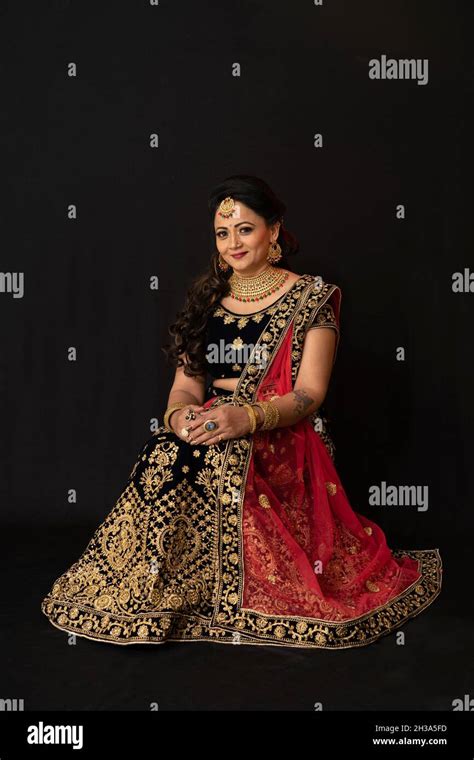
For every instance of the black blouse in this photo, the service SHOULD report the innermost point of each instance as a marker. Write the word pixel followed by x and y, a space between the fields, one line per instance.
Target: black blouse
pixel 231 337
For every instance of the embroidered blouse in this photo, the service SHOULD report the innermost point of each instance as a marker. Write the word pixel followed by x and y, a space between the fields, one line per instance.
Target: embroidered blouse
pixel 231 337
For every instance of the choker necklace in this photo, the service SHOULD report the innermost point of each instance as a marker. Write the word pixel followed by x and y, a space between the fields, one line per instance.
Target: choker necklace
pixel 259 286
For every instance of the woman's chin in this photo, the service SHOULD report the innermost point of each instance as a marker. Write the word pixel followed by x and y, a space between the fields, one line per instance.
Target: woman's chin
pixel 249 266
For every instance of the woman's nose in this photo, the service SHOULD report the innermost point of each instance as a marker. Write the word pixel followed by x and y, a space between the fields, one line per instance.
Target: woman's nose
pixel 234 240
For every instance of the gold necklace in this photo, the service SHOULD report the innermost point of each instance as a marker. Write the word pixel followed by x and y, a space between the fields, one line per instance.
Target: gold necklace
pixel 259 286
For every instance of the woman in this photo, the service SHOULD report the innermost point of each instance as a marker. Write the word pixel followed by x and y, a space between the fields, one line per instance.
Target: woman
pixel 233 525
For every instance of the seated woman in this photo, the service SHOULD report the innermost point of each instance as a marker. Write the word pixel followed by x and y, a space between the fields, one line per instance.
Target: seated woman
pixel 234 526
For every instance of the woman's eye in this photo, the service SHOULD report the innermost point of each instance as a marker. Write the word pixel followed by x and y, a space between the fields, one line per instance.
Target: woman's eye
pixel 242 229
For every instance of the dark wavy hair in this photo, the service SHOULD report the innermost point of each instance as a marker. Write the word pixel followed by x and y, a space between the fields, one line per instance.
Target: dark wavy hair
pixel 189 329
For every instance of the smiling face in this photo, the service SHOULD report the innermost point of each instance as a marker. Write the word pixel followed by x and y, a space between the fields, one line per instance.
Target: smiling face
pixel 246 231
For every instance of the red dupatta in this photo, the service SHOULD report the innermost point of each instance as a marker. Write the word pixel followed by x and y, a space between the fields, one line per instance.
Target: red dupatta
pixel 297 563
pixel 306 552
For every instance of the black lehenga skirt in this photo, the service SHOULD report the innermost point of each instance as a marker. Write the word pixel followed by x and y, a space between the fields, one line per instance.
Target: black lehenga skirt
pixel 149 572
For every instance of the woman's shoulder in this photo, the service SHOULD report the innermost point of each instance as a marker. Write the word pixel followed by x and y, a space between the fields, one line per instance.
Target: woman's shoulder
pixel 320 283
pixel 325 302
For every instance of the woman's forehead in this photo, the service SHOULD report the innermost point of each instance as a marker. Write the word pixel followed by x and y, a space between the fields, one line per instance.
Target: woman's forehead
pixel 239 212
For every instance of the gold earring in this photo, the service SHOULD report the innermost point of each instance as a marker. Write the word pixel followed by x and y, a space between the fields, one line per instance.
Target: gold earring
pixel 274 253
pixel 223 266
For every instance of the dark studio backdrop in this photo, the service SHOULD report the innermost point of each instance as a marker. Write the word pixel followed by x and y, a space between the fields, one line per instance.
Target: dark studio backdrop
pixel 227 89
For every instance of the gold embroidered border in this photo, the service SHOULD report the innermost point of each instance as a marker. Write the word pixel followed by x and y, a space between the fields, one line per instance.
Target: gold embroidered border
pixel 304 633
pixel 308 314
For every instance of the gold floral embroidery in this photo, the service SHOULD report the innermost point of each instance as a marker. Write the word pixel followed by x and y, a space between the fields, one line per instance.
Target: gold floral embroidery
pixel 123 572
pixel 242 320
pixel 331 488
pixel 264 501
pixel 325 318
pixel 179 543
pixel 372 586
pixel 153 480
pixel 119 542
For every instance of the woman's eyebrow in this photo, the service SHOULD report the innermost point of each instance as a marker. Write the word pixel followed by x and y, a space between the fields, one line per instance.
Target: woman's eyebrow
pixel 235 225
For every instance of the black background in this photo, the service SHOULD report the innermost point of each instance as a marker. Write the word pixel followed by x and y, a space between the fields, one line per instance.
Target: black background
pixel 142 212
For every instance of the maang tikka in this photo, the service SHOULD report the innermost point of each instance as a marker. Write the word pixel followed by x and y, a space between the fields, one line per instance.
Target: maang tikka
pixel 226 207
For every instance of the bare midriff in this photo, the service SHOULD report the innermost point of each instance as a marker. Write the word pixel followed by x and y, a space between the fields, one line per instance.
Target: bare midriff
pixel 228 383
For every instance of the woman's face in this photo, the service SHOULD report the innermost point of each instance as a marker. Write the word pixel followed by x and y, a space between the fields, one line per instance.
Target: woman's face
pixel 246 231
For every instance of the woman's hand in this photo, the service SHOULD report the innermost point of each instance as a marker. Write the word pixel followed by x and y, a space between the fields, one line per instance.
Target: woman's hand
pixel 232 422
pixel 178 419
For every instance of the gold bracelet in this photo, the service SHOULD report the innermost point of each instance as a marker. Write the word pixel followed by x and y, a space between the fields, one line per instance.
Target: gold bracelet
pixel 169 412
pixel 252 417
pixel 271 415
pixel 258 421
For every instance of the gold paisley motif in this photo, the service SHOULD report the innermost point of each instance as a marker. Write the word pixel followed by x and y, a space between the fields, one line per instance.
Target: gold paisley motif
pixel 179 543
pixel 119 542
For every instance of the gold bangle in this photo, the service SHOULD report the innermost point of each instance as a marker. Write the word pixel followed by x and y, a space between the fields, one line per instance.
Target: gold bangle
pixel 252 417
pixel 258 421
pixel 169 412
pixel 272 415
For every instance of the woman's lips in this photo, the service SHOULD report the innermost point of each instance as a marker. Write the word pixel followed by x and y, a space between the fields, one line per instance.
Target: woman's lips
pixel 239 255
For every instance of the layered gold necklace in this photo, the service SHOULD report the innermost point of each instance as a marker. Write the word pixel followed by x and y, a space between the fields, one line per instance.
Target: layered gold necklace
pixel 259 286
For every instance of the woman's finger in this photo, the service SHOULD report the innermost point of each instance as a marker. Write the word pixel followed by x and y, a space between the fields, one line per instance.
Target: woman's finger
pixel 216 439
pixel 200 438
pixel 205 436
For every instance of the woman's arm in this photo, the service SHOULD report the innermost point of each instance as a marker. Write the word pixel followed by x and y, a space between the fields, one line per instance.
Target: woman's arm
pixel 307 395
pixel 191 390
pixel 312 381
